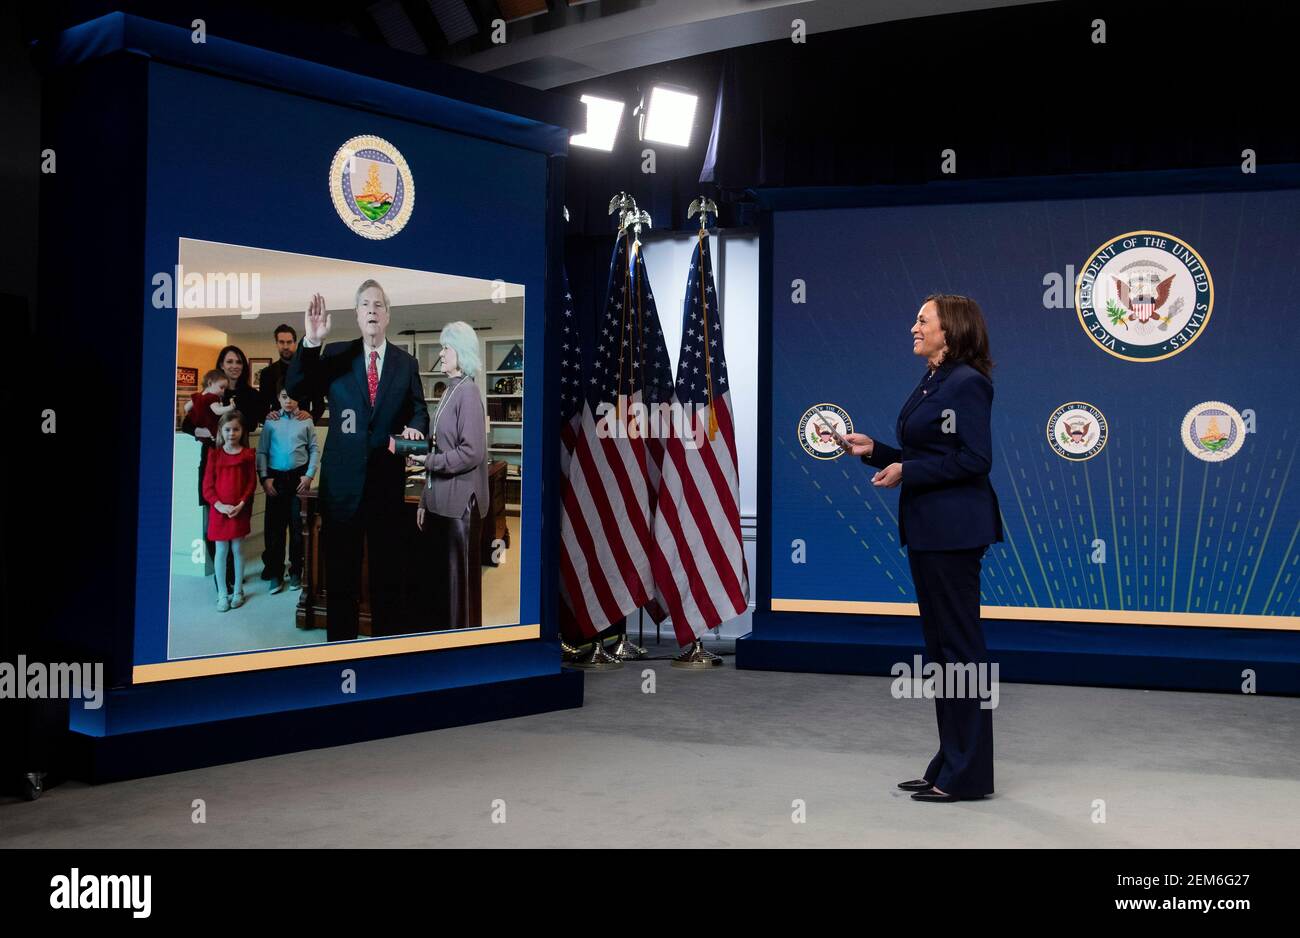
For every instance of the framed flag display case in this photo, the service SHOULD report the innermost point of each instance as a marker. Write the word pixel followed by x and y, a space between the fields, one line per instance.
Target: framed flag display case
pixel 223 185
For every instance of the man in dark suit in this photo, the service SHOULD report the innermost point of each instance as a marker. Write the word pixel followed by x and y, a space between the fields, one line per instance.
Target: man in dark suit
pixel 374 392
pixel 271 379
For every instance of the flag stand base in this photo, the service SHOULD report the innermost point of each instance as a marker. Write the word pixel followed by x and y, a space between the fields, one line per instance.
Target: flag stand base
pixel 568 653
pixel 627 650
pixel 598 659
pixel 696 657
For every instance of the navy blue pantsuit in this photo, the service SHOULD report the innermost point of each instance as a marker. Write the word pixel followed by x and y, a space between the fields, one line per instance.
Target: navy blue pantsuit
pixel 947 516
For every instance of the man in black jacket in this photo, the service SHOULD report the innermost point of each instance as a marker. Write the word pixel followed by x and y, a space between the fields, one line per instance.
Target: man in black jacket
pixel 374 392
pixel 271 379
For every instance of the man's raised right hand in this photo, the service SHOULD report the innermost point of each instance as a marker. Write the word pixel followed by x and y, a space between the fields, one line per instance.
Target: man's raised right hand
pixel 316 325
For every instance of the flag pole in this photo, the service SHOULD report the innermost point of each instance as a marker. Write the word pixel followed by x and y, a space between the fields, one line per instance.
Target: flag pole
pixel 695 656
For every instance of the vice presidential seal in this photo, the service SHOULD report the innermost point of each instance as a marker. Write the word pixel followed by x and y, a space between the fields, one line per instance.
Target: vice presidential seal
pixel 372 188
pixel 1213 431
pixel 815 428
pixel 1144 296
pixel 1077 431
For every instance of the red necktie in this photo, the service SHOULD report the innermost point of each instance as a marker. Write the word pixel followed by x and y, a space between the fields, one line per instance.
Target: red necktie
pixel 372 376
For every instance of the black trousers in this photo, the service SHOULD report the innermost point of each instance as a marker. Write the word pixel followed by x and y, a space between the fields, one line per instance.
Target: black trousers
pixel 282 512
pixel 456 569
pixel 948 593
pixel 375 528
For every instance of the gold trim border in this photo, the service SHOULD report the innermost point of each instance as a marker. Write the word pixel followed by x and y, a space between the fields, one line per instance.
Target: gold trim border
pixel 1209 620
pixel 337 651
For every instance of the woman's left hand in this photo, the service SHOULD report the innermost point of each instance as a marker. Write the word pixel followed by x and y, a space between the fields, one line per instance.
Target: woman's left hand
pixel 412 434
pixel 888 477
pixel 419 517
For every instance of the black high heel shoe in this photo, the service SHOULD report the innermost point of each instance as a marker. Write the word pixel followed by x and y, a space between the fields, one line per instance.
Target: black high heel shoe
pixel 938 798
pixel 916 784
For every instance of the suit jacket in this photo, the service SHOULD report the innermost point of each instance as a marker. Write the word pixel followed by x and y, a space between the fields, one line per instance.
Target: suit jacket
pixel 271 379
pixel 457 463
pixel 352 461
pixel 946 501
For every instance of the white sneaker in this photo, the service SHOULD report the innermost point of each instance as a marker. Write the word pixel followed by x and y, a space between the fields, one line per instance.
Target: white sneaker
pixel 237 600
pixel 223 603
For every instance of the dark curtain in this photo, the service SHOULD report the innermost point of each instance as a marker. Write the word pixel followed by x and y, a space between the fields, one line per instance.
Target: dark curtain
pixel 1018 91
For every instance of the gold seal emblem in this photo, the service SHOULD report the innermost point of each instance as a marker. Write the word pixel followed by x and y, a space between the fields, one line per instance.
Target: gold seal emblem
pixel 372 187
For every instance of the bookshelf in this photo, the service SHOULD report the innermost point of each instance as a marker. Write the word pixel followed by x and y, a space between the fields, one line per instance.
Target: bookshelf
pixel 503 389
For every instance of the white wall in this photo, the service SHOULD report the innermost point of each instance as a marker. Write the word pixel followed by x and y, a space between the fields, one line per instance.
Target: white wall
pixel 735 272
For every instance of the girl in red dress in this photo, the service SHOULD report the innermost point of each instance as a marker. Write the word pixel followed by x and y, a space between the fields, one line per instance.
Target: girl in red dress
pixel 228 484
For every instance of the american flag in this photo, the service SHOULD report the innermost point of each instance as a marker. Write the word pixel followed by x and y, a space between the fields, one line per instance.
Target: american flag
pixel 607 530
pixel 699 562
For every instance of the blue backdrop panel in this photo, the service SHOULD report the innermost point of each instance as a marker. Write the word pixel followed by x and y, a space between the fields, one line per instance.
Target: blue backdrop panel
pixel 212 142
pixel 161 139
pixel 1182 535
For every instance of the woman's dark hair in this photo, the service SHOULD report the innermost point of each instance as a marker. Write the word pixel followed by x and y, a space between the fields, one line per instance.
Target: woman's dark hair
pixel 243 381
pixel 964 331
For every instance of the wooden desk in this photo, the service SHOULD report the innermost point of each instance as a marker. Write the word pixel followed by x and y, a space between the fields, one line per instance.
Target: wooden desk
pixel 411 579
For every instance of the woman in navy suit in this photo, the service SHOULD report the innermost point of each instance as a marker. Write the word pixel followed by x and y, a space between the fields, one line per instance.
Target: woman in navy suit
pixel 947 516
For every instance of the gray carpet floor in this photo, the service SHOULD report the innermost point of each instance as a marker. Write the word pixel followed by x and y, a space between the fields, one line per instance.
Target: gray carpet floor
pixel 724 758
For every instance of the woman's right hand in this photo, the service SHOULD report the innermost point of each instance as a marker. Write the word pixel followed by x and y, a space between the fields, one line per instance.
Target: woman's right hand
pixel 202 433
pixel 860 444
pixel 316 324
pixel 419 517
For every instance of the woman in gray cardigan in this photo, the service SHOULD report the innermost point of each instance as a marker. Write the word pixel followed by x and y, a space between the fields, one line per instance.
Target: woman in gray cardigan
pixel 455 498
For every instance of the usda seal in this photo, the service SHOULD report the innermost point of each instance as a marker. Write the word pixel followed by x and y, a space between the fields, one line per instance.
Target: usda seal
pixel 1213 431
pixel 372 188
pixel 1077 431
pixel 817 429
pixel 1144 296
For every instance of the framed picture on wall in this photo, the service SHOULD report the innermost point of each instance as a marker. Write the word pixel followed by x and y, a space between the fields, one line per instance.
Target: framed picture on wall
pixel 256 365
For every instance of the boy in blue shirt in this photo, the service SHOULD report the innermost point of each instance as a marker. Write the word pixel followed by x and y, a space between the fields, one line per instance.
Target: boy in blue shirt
pixel 286 464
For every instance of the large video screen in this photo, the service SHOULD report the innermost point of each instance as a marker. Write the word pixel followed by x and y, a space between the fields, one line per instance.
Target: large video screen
pixel 1144 426
pixel 347 452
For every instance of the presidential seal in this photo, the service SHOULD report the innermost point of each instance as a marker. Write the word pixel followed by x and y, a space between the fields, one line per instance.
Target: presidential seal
pixel 817 429
pixel 372 188
pixel 1144 296
pixel 1213 431
pixel 1077 431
